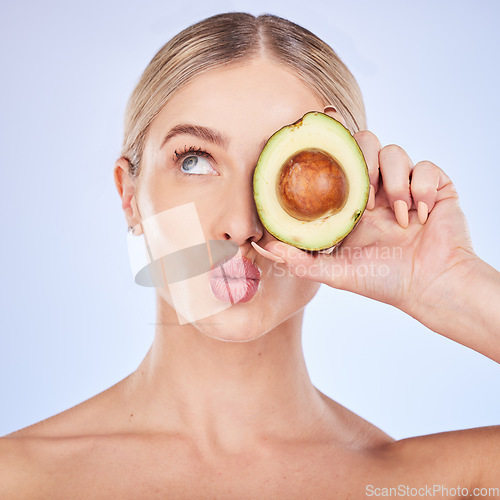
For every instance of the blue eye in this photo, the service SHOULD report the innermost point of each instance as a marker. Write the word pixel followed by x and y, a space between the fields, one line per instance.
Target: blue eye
pixel 196 165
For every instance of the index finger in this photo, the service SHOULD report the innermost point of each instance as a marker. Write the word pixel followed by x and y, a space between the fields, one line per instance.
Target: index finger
pixel 370 147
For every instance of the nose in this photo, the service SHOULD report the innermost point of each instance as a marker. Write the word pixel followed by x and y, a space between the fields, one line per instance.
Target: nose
pixel 239 221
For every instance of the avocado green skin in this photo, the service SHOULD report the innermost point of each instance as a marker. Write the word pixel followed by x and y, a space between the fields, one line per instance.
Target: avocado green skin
pixel 301 234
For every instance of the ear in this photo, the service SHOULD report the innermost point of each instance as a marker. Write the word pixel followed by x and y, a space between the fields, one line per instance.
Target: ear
pixel 332 111
pixel 126 190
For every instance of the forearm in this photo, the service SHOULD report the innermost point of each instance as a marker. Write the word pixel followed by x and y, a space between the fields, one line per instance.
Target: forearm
pixel 467 308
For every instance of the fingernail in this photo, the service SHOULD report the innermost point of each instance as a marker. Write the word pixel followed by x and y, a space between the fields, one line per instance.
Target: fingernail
pixel 330 108
pixel 422 211
pixel 401 211
pixel 329 250
pixel 371 198
pixel 267 254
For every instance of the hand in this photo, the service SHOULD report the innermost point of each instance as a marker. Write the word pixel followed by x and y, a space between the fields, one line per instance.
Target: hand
pixel 411 244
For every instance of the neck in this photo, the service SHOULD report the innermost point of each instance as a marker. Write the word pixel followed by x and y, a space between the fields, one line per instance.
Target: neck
pixel 227 395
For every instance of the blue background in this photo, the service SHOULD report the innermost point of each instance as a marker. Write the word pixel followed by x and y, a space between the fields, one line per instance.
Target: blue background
pixel 72 321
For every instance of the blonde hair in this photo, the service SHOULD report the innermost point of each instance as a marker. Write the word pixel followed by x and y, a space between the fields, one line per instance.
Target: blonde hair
pixel 233 38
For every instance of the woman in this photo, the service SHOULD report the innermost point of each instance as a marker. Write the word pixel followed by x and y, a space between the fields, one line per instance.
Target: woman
pixel 204 417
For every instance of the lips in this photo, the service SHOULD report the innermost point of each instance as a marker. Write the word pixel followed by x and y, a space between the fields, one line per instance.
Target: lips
pixel 235 280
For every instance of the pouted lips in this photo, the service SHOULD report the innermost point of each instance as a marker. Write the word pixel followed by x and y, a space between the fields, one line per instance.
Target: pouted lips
pixel 235 280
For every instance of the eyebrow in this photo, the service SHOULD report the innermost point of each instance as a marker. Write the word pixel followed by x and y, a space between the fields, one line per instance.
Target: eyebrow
pixel 205 133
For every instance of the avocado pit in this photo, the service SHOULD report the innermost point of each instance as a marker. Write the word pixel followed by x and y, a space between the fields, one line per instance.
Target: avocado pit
pixel 311 184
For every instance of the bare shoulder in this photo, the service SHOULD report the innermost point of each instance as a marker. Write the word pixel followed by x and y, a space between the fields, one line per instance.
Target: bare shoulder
pixel 473 451
pixel 92 416
pixel 470 457
pixel 28 463
pixel 31 456
pixel 14 471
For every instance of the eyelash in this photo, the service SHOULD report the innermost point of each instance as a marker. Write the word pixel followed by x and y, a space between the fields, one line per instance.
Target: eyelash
pixel 189 151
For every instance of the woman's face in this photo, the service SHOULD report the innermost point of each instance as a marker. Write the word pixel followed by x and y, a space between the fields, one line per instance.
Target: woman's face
pixel 241 106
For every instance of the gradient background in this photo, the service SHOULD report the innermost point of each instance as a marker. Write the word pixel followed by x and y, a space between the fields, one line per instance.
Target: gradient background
pixel 73 322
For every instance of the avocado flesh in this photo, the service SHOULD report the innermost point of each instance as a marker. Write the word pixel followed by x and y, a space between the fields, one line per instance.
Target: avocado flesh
pixel 305 228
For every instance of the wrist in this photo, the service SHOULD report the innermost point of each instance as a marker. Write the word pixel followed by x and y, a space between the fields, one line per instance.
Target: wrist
pixel 457 305
pixel 444 291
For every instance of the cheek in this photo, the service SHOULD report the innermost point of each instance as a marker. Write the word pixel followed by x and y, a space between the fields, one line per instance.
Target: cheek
pixel 306 290
pixel 280 286
pixel 157 188
pixel 161 192
pixel 148 194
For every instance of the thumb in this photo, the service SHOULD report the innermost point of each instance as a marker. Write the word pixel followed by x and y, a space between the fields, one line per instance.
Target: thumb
pixel 310 265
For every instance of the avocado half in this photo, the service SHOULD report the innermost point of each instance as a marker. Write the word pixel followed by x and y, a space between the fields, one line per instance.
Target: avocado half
pixel 311 183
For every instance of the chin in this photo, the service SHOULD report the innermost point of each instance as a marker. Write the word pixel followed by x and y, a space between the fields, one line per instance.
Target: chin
pixel 277 300
pixel 241 322
pixel 244 322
